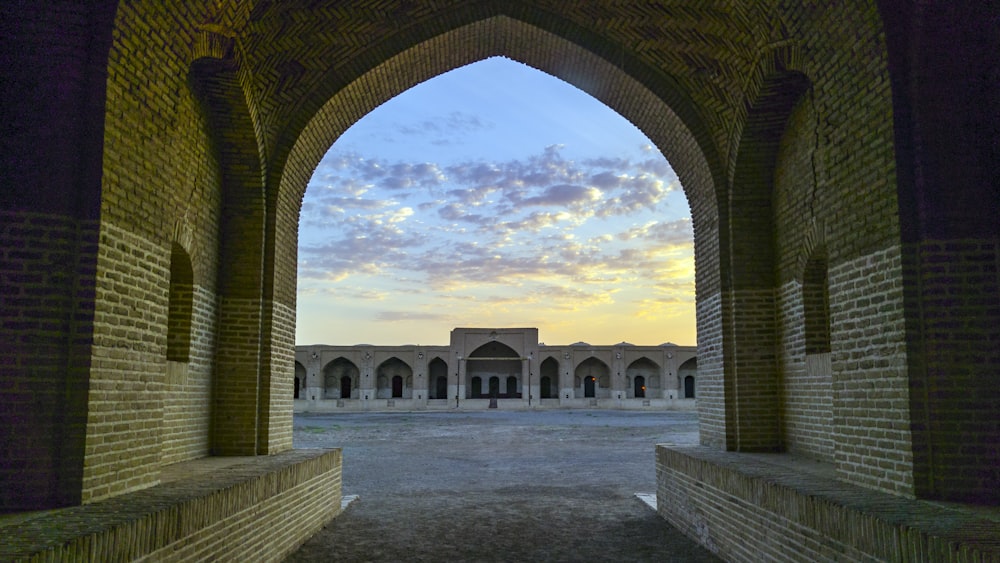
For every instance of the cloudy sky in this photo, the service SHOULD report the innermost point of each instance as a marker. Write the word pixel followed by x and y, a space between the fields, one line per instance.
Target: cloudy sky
pixel 494 195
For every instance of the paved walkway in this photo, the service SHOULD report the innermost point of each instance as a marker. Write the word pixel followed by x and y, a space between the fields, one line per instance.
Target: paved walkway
pixel 498 486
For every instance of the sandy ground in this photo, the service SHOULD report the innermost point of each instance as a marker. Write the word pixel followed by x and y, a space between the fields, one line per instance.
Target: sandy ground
pixel 498 486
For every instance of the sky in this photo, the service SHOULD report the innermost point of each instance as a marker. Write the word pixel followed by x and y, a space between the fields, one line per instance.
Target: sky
pixel 497 196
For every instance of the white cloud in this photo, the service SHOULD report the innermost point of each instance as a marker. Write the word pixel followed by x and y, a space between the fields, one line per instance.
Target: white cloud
pixel 547 225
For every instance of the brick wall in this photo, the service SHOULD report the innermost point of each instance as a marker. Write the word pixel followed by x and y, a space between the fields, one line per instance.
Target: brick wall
pixel 195 124
pixel 945 78
pixel 53 58
pixel 125 403
pixel 276 398
pixel 870 386
pixel 236 382
pixel 953 389
pixel 187 394
pixel 756 508
pixel 806 394
pixel 710 392
pixel 160 192
pixel 251 511
pixel 836 194
pixel 46 315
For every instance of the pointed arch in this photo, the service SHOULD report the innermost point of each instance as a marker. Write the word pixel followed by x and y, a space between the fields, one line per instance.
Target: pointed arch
pixel 687 378
pixel 643 373
pixel 437 379
pixel 750 387
pixel 300 380
pixel 241 362
pixel 499 365
pixel 593 375
pixel 395 379
pixel 650 98
pixel 334 373
pixel 549 382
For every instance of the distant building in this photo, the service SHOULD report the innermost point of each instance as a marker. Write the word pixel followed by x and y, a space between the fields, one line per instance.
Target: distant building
pixel 494 368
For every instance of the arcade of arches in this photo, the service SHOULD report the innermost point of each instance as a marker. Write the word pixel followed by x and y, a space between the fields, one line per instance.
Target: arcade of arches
pixel 494 368
pixel 839 158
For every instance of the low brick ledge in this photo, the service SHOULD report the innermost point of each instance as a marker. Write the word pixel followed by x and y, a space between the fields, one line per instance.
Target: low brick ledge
pixel 748 506
pixel 171 519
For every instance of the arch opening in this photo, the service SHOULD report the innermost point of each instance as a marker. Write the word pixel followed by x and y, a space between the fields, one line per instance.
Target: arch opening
pixel 333 377
pixel 680 139
pixel 437 379
pixel 686 374
pixel 549 371
pixel 394 378
pixel 496 363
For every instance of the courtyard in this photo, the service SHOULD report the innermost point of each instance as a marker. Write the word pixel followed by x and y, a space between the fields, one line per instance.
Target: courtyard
pixel 498 486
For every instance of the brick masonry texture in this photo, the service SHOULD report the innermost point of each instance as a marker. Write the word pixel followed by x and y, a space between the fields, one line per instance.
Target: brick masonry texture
pixel 46 317
pixel 870 394
pixel 953 381
pixel 236 513
pixel 828 520
pixel 854 138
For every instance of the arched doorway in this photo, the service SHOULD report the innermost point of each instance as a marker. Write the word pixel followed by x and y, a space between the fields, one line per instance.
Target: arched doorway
pixel 706 150
pixel 300 379
pixel 594 376
pixel 715 385
pixel 511 391
pixel 545 387
pixel 333 377
pixel 640 387
pixel 550 378
pixel 389 387
pixel 645 376
pixel 686 373
pixel 498 364
pixel 437 379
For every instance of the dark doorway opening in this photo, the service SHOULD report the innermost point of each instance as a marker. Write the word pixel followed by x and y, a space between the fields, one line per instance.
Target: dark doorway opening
pixel 397 387
pixel 477 388
pixel 550 373
pixel 640 387
pixel 296 395
pixel 345 387
pixel 689 387
pixel 494 386
pixel 438 379
pixel 589 385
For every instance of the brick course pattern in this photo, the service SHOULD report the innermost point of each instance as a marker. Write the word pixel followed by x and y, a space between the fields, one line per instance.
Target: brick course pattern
pixel 771 510
pixel 856 138
pixel 235 513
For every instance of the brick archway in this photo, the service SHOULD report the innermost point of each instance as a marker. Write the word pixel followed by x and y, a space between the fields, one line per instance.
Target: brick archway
pixel 153 120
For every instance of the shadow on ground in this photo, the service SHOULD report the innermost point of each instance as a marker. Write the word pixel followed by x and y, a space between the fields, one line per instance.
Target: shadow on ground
pixel 498 486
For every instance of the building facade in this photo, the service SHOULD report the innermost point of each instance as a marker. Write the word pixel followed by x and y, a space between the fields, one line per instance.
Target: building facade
pixel 494 368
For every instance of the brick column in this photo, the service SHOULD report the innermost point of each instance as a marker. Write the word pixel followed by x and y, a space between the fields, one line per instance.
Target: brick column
pixel 53 93
pixel 945 79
